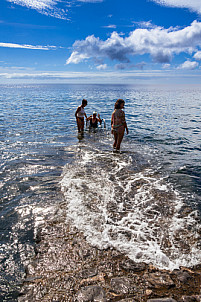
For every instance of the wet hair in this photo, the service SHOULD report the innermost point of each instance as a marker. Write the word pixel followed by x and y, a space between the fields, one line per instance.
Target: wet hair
pixel 84 102
pixel 118 103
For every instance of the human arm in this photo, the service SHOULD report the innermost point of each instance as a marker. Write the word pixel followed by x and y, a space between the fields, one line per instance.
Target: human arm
pixel 126 129
pixel 78 109
pixel 88 118
pixel 99 119
pixel 112 123
pixel 124 122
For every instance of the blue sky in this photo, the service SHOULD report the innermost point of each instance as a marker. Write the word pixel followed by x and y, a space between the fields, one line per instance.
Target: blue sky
pixel 100 41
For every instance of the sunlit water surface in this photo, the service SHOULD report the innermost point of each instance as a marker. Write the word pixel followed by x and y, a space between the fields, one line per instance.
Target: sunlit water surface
pixel 145 201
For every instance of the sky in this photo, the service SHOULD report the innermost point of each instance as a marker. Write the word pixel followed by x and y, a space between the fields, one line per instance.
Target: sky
pixel 100 41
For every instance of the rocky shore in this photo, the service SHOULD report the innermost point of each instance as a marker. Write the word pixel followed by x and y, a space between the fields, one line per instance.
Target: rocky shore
pixel 67 268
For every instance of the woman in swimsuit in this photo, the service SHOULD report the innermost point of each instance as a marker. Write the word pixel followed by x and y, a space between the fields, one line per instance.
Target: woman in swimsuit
pixel 94 120
pixel 118 123
pixel 80 114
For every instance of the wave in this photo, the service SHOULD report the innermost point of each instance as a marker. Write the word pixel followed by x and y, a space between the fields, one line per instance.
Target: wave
pixel 120 202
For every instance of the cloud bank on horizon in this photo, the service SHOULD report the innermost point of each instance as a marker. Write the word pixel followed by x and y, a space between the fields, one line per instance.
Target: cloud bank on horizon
pixel 162 44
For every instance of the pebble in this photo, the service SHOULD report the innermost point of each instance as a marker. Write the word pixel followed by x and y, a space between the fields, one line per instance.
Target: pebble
pixel 91 293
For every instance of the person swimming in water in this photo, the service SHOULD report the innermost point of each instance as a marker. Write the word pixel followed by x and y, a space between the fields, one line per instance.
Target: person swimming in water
pixel 80 114
pixel 94 120
pixel 118 124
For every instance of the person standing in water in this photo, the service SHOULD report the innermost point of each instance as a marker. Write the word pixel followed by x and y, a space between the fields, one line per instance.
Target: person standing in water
pixel 118 124
pixel 80 114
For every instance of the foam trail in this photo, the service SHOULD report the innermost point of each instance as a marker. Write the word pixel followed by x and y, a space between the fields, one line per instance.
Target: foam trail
pixel 136 212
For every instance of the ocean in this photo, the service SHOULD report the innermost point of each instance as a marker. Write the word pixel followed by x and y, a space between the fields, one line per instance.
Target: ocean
pixel 145 201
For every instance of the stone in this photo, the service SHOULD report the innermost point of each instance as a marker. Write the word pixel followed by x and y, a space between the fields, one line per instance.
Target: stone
pixel 127 300
pixel 148 292
pixel 183 276
pixel 162 300
pixel 91 293
pixel 190 299
pixel 88 273
pixel 130 265
pixel 159 280
pixel 121 285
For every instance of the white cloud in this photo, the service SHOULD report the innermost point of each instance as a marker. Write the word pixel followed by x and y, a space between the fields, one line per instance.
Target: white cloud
pixel 90 1
pixel 144 24
pixel 46 7
pixel 50 7
pixel 193 5
pixel 188 65
pixel 162 44
pixel 197 55
pixel 36 4
pixel 24 46
pixel 77 58
pixel 166 66
pixel 110 26
pixel 101 67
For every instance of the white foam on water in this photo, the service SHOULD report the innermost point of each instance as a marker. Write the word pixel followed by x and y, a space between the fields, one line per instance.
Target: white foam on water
pixel 138 213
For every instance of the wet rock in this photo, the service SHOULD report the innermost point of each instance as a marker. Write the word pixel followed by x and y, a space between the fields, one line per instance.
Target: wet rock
pixel 159 280
pixel 88 273
pixel 91 294
pixel 162 300
pixel 148 292
pixel 128 300
pixel 130 265
pixel 121 285
pixel 67 268
pixel 190 299
pixel 183 277
pixel 31 279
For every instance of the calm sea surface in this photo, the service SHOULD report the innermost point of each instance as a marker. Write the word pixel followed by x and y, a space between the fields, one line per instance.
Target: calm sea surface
pixel 146 201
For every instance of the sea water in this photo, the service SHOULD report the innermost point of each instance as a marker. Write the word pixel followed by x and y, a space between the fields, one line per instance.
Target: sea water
pixel 145 201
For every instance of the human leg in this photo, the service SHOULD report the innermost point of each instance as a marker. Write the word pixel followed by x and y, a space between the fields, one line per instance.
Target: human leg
pixel 119 140
pixel 115 140
pixel 80 124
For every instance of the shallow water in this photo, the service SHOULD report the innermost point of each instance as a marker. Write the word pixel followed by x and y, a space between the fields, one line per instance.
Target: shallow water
pixel 144 201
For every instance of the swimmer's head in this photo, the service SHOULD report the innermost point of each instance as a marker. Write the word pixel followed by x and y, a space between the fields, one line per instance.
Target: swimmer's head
pixel 84 102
